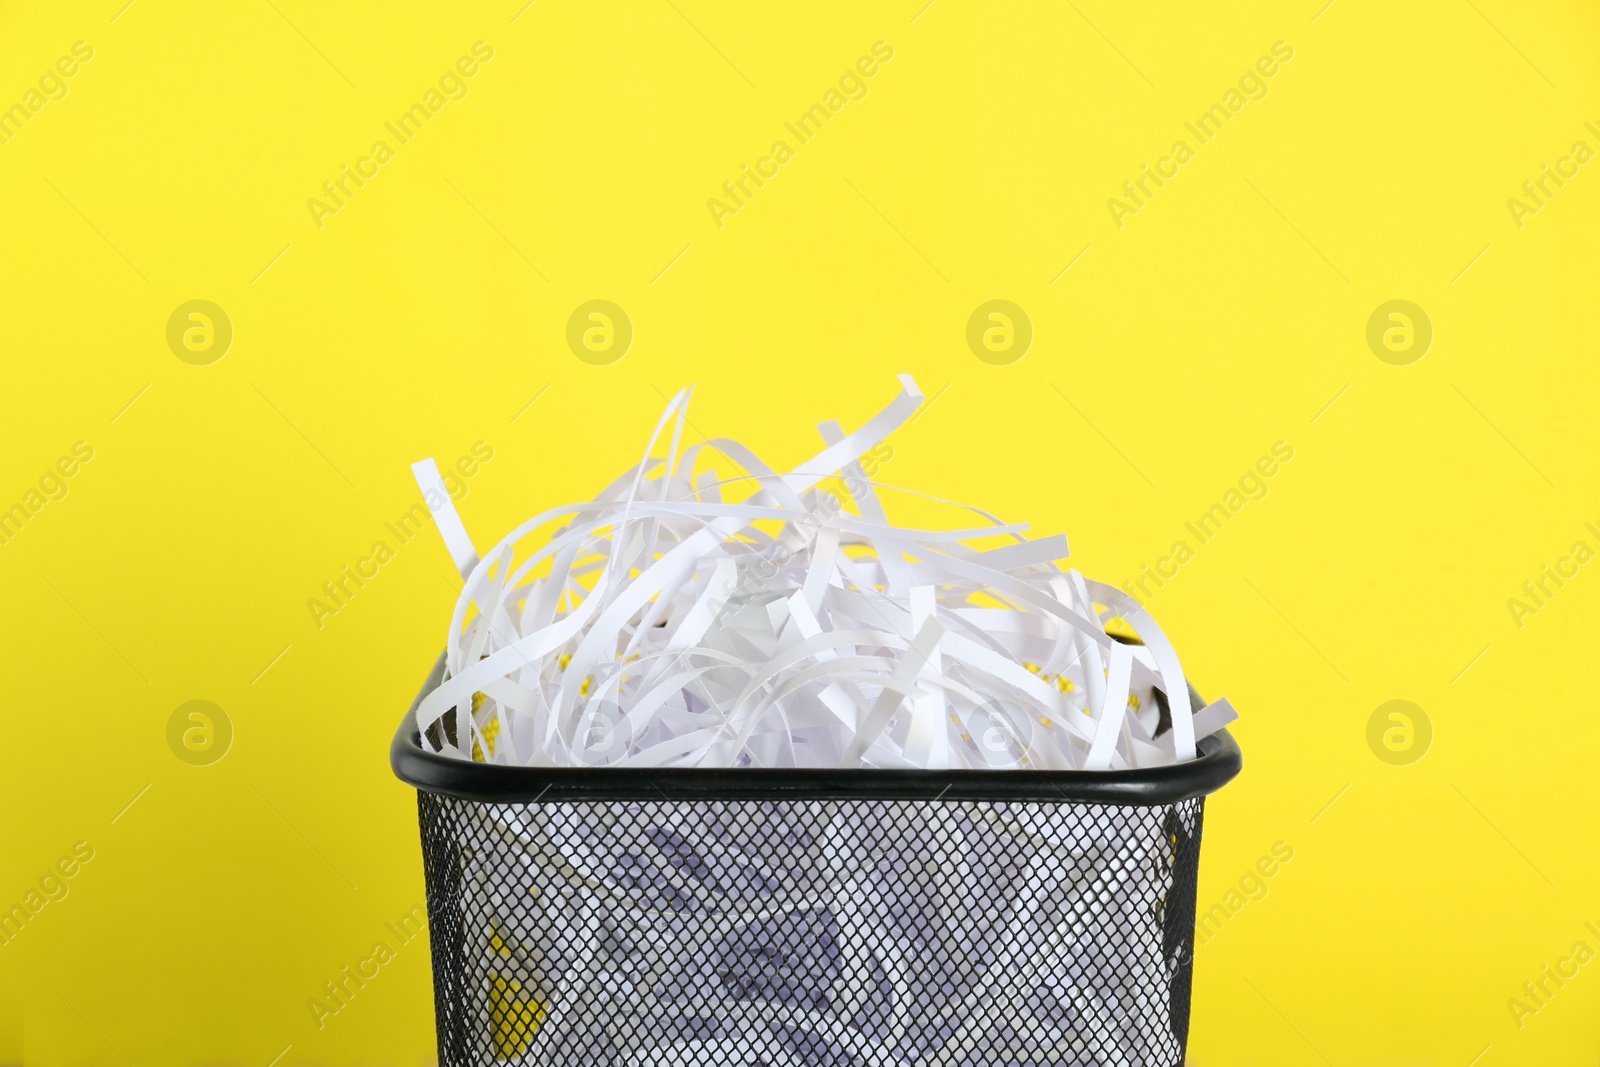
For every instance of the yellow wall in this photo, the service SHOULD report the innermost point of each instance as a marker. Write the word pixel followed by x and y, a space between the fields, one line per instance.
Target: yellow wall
pixel 1228 313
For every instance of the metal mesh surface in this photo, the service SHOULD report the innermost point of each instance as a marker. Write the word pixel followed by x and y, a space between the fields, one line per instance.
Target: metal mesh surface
pixel 793 933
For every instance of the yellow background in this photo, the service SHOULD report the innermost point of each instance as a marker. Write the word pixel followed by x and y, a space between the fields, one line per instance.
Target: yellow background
pixel 424 316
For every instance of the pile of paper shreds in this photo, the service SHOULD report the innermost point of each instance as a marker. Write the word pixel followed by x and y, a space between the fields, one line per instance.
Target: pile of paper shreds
pixel 663 625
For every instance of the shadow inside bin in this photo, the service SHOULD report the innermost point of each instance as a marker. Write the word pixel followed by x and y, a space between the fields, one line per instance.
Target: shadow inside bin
pixel 792 961
pixel 658 868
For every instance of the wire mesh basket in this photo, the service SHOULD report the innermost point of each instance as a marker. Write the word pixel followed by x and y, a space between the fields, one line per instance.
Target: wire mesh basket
pixel 631 917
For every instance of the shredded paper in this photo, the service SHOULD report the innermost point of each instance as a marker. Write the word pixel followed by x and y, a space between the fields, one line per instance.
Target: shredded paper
pixel 665 624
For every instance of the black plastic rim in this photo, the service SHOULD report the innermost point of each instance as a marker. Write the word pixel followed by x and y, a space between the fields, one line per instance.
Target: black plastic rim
pixel 1218 763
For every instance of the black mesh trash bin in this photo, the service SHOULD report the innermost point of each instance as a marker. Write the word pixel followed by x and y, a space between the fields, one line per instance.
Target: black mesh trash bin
pixel 810 918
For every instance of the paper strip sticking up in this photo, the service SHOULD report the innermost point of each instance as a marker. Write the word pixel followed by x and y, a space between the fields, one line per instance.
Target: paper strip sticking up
pixel 770 619
pixel 437 497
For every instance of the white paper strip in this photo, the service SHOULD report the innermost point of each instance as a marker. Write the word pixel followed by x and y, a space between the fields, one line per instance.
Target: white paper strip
pixel 437 497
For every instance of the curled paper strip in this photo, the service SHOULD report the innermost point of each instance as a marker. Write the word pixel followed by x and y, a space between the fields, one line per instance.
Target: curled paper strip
pixel 663 625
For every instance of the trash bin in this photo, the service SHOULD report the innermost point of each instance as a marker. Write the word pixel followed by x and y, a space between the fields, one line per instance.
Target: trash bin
pixel 644 917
